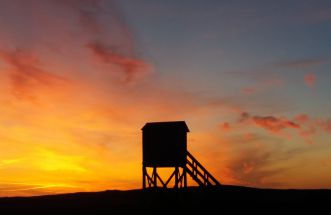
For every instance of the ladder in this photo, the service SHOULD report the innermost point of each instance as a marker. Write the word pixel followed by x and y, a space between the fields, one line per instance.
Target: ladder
pixel 192 167
pixel 199 174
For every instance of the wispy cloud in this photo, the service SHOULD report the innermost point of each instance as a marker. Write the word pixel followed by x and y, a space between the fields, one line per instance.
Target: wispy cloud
pixel 28 189
pixel 88 12
pixel 131 67
pixel 250 162
pixel 301 63
pixel 274 124
pixel 252 168
pixel 111 42
pixel 248 90
pixel 263 86
pixel 27 75
pixel 269 123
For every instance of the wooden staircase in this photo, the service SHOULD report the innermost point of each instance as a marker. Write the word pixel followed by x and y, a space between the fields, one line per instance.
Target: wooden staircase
pixel 192 167
pixel 198 173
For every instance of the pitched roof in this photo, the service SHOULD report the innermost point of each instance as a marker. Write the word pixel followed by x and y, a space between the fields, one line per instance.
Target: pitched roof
pixel 178 124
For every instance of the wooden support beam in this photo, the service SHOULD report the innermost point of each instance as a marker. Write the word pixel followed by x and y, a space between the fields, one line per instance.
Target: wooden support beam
pixel 176 177
pixel 169 179
pixel 185 177
pixel 158 177
pixel 144 176
pixel 154 177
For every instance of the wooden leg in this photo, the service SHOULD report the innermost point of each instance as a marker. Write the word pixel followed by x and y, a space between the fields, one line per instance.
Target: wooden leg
pixel 185 178
pixel 176 177
pixel 144 177
pixel 154 177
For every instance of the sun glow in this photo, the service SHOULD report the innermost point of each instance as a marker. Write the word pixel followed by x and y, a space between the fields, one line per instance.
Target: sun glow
pixel 51 161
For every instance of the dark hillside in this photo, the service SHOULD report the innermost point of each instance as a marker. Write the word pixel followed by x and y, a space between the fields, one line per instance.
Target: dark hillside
pixel 216 200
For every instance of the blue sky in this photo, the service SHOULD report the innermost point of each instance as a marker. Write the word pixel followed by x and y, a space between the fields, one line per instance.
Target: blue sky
pixel 210 42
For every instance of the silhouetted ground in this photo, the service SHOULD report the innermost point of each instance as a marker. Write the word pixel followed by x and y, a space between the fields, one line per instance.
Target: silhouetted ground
pixel 223 200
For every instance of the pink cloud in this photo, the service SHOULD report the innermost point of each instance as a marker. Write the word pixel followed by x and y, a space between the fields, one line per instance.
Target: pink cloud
pixel 225 126
pixel 274 124
pixel 130 66
pixel 304 125
pixel 248 90
pixel 27 75
pixel 302 118
pixel 310 80
pixel 325 125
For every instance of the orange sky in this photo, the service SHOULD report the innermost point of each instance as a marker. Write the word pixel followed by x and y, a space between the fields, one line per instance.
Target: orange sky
pixel 75 92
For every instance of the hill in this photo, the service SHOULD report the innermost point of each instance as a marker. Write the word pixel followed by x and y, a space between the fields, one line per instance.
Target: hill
pixel 171 201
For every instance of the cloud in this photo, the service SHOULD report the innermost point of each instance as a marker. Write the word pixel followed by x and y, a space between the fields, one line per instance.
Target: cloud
pixel 325 125
pixel 131 67
pixel 27 74
pixel 274 124
pixel 310 80
pixel 243 117
pixel 303 125
pixel 263 86
pixel 81 109
pixel 301 63
pixel 252 165
pixel 268 69
pixel 96 26
pixel 270 123
pixel 302 118
pixel 225 126
pixel 88 12
pixel 251 168
pixel 248 90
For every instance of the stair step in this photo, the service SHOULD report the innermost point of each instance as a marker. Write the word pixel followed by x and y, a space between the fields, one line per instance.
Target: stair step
pixel 199 173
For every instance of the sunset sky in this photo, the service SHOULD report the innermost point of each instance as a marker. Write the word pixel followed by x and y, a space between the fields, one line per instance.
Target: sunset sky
pixel 80 78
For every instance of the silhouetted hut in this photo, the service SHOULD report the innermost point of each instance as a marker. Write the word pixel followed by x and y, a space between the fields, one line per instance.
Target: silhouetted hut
pixel 165 144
